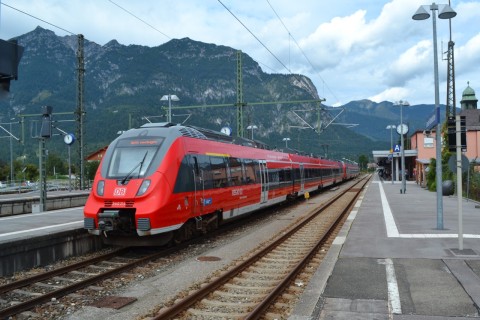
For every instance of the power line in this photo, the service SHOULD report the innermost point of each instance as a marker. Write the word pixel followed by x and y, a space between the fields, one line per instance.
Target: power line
pixel 286 68
pixel 303 53
pixel 279 61
pixel 44 21
pixel 148 24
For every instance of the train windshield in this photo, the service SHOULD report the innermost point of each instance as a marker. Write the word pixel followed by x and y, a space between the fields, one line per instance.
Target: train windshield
pixel 132 157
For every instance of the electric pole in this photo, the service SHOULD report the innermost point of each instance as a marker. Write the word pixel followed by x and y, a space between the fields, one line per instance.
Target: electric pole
pixel 80 113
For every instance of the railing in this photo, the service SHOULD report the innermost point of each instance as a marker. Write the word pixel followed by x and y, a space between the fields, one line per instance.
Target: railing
pixel 28 186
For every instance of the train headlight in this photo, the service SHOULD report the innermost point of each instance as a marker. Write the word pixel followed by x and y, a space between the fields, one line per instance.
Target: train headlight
pixel 144 187
pixel 100 187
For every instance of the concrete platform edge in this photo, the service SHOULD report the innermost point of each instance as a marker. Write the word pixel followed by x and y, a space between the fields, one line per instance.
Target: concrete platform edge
pixel 308 307
pixel 40 251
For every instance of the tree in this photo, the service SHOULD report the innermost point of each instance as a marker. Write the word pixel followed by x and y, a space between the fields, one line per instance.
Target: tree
pixel 55 165
pixel 29 172
pixel 363 161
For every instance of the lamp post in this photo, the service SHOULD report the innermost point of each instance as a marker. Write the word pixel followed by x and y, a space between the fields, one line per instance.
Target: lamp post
pixel 252 127
pixel 11 154
pixel 422 14
pixel 170 98
pixel 286 142
pixel 402 129
pixel 391 127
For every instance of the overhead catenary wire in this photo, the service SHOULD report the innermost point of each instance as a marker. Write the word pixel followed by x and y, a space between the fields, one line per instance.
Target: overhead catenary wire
pixel 32 16
pixel 301 50
pixel 259 41
pixel 140 19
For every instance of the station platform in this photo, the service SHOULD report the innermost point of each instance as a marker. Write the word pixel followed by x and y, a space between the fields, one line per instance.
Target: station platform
pixel 37 239
pixel 391 261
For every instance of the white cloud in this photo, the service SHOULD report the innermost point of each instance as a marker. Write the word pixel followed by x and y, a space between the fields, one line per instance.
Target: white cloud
pixel 358 48
pixel 391 94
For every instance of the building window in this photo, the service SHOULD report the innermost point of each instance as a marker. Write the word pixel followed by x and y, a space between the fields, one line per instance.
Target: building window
pixel 428 142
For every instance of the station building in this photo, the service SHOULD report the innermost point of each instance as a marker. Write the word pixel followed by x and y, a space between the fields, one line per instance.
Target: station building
pixel 423 146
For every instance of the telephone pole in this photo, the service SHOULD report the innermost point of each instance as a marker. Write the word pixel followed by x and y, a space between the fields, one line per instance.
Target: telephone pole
pixel 80 113
pixel 240 104
pixel 450 108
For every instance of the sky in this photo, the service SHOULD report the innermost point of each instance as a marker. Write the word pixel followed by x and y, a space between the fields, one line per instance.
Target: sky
pixel 350 49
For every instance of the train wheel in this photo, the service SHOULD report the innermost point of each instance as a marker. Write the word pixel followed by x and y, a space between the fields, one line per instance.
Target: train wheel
pixel 186 232
pixel 211 222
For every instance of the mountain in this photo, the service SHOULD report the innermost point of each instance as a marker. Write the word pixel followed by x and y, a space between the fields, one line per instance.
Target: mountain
pixel 373 118
pixel 124 85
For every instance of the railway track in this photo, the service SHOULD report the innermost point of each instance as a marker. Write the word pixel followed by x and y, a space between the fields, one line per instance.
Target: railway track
pixel 251 289
pixel 39 290
pixel 31 292
pixel 25 294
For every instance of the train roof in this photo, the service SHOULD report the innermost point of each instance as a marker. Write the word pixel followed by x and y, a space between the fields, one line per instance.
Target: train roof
pixel 207 134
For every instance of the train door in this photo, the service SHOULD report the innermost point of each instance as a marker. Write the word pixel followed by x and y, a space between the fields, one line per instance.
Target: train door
pixel 199 186
pixel 302 179
pixel 263 181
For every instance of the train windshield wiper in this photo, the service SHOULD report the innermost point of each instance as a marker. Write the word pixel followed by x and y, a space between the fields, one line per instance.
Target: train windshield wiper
pixel 140 164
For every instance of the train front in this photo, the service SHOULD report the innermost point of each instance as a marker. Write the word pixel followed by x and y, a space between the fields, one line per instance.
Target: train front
pixel 132 186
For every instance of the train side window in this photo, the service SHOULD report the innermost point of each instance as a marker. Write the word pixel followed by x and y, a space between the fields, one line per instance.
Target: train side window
pixel 288 175
pixel 249 167
pixel 195 165
pixel 296 174
pixel 257 171
pixel 236 172
pixel 205 173
pixel 219 172
pixel 273 177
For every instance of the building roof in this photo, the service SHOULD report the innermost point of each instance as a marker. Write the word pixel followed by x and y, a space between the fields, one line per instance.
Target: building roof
pixel 386 153
pixel 423 161
pixel 468 94
pixel 97 155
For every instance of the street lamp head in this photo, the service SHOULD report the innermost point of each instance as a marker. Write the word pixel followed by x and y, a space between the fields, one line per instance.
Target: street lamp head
pixel 391 126
pixel 172 97
pixel 402 103
pixel 421 14
pixel 447 13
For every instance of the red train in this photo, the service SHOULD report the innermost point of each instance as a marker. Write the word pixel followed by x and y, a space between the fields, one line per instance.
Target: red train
pixel 164 182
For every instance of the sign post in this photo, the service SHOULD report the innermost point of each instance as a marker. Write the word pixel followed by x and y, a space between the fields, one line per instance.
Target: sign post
pixel 459 182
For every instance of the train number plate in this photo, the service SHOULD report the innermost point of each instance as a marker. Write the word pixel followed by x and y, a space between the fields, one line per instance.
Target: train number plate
pixel 118 192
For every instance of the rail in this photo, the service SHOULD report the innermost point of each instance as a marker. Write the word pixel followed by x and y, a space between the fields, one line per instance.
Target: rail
pixel 196 302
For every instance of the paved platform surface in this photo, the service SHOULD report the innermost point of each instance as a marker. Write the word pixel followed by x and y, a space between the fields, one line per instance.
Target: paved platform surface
pixel 391 261
pixel 27 226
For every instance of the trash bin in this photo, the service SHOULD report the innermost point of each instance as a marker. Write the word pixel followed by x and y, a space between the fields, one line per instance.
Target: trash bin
pixel 448 188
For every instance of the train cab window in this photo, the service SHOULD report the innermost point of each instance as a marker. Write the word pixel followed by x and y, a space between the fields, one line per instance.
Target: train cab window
pixel 185 177
pixel 236 172
pixel 132 157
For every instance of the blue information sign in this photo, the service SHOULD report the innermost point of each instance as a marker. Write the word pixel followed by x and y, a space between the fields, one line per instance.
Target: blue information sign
pixel 433 120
